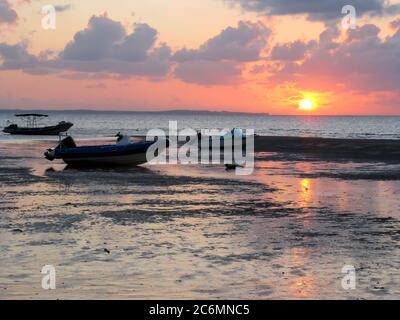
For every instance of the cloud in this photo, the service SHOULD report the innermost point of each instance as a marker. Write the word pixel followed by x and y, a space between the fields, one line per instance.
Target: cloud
pixel 62 7
pixel 219 60
pixel 103 47
pixel 292 51
pixel 96 86
pixel 368 31
pixel 244 43
pixel 395 24
pixel 86 76
pixel 362 62
pixel 7 13
pixel 321 10
pixel 15 57
pixel 358 60
pixel 152 66
pixel 96 41
pixel 136 45
pixel 206 72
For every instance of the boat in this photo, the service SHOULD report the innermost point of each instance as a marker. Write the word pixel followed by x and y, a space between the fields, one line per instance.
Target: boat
pixel 124 153
pixel 32 127
pixel 235 138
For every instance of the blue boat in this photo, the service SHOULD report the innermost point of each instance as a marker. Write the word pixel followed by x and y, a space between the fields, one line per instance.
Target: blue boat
pixel 122 153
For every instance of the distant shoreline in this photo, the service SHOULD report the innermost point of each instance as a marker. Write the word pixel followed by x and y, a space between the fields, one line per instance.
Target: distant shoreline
pixel 193 112
pixel 177 112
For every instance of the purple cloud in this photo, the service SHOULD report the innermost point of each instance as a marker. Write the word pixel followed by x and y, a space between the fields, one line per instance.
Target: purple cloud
pixel 244 43
pixel 321 10
pixel 395 24
pixel 136 45
pixel 363 62
pixel 7 13
pixel 96 41
pixel 62 7
pixel 105 47
pixel 218 60
pixel 16 57
pixel 206 72
pixel 292 51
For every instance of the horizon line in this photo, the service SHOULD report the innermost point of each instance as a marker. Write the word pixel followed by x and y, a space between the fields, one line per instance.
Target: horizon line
pixel 197 111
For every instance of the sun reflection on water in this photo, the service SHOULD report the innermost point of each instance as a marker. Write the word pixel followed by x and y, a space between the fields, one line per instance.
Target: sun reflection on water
pixel 302 286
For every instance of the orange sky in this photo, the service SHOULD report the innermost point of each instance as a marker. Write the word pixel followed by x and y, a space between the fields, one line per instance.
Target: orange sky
pixel 201 54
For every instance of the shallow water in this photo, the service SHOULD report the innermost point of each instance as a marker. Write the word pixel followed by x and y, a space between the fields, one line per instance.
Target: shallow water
pixel 100 124
pixel 198 231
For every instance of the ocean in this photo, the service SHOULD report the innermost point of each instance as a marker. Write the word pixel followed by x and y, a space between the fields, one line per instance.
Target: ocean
pixel 89 124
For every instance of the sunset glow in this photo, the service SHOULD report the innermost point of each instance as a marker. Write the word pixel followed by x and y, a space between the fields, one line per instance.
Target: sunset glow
pixel 241 151
pixel 306 105
pixel 158 55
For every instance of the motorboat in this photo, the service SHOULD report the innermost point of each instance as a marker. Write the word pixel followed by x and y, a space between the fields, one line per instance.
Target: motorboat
pixel 123 153
pixel 32 127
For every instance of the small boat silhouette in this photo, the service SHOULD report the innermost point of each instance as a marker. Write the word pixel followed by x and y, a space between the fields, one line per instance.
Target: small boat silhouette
pixel 33 129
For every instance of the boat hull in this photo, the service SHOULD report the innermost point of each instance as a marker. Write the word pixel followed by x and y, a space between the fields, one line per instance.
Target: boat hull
pixel 131 154
pixel 43 131
pixel 127 160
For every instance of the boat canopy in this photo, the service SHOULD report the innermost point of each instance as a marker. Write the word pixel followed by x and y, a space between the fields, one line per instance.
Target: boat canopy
pixel 39 115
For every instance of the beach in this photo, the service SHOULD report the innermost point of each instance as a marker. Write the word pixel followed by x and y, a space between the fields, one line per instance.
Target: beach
pixel 201 232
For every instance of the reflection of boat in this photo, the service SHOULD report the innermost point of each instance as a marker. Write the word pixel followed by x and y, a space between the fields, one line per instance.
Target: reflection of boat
pixel 32 128
pixel 122 153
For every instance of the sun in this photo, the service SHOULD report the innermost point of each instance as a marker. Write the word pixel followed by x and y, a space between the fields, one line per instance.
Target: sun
pixel 306 105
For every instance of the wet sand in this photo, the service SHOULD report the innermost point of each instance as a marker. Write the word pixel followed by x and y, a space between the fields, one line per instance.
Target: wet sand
pixel 328 149
pixel 200 231
pixel 387 150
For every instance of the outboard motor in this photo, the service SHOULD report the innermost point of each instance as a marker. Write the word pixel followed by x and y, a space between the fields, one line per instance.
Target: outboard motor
pixel 122 140
pixel 50 154
pixel 66 143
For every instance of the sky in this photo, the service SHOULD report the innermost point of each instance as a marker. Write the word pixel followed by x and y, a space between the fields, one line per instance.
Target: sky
pixel 272 56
